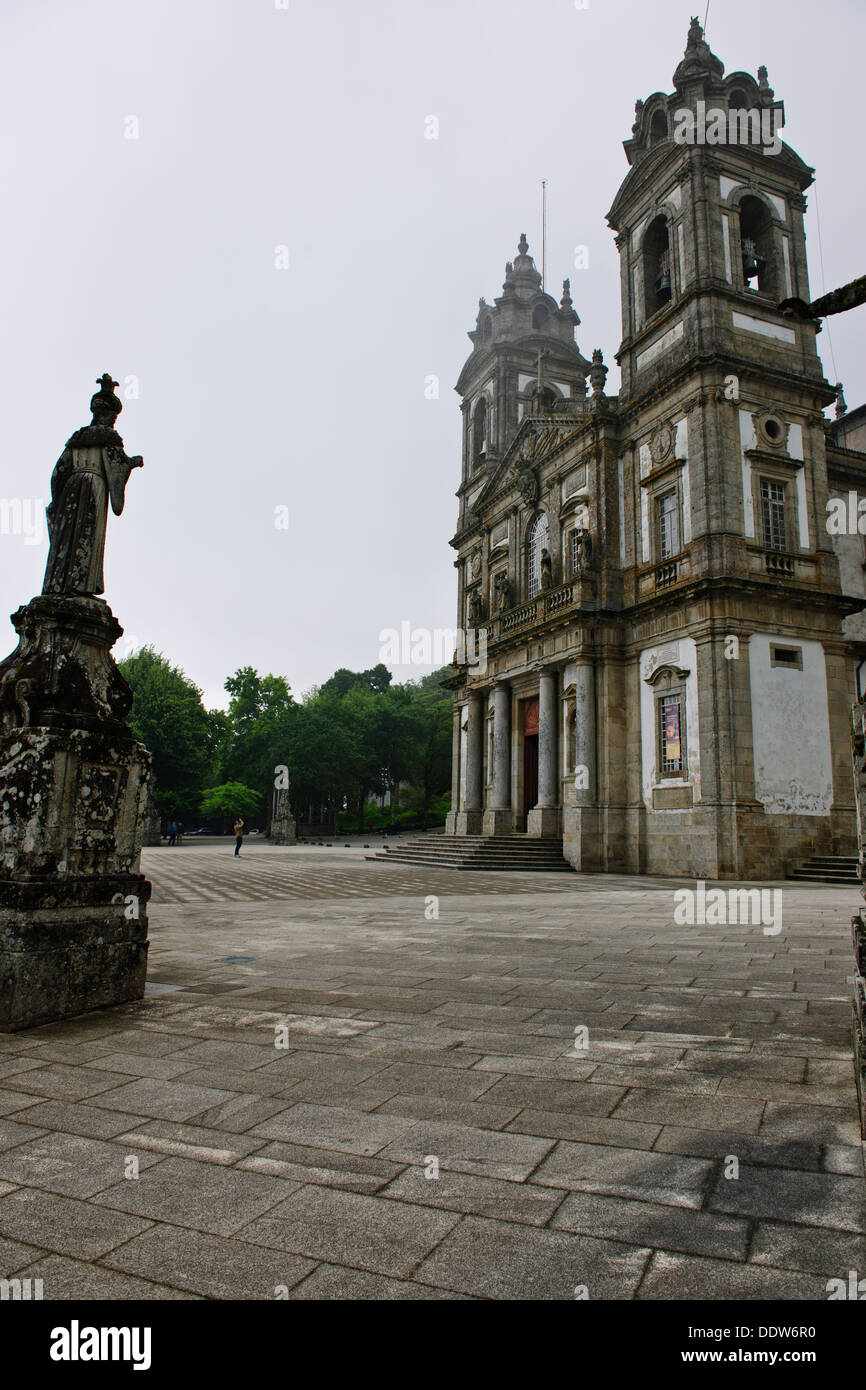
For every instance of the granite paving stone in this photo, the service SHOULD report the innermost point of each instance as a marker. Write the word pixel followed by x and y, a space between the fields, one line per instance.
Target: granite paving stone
pixel 828 1252
pixel 209 1265
pixel 67 1163
pixel 649 1223
pixel 671 1179
pixel 674 1276
pixel 492 1153
pixel 351 1229
pixel 332 1127
pixel 65 1225
pixel 203 1196
pixel 72 1279
pixel 809 1199
pixel 465 1192
pixel 410 1040
pixel 502 1260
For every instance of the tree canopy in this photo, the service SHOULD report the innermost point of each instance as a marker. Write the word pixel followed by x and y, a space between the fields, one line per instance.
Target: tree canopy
pixel 185 740
pixel 355 738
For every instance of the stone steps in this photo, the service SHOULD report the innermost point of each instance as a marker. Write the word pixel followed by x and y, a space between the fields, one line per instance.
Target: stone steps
pixel 501 853
pixel 828 868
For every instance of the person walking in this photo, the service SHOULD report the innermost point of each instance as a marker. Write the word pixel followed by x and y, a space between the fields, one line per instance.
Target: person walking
pixel 239 835
pixel 180 832
pixel 172 833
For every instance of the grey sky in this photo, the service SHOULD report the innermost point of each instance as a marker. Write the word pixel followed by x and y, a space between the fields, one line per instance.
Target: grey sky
pixel 260 387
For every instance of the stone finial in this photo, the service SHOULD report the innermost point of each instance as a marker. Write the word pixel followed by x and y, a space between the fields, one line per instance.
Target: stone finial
pixel 523 244
pixel 638 114
pixel 841 406
pixel 566 300
pixel 765 91
pixel 104 405
pixel 598 372
pixel 699 59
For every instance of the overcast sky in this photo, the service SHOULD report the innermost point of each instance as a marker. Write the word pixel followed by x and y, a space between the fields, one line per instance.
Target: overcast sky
pixel 260 387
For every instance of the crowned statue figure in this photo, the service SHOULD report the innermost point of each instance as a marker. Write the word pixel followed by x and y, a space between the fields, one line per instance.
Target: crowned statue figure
pixel 91 472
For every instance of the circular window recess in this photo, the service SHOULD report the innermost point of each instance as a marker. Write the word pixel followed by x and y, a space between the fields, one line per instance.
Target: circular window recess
pixel 773 429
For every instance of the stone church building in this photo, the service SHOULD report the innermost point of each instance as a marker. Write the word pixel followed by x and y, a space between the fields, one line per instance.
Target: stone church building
pixel 670 661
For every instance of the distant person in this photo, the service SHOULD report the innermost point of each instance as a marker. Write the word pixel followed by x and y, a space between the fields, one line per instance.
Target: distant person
pixel 239 835
pixel 172 833
pixel 180 832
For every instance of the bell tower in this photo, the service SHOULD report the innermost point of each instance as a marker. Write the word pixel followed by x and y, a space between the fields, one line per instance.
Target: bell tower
pixel 730 572
pixel 522 344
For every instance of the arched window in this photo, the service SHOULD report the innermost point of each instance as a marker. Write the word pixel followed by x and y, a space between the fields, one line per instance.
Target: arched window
pixel 656 265
pixel 479 434
pixel 757 247
pixel 539 316
pixel 536 541
pixel 658 127
pixel 737 100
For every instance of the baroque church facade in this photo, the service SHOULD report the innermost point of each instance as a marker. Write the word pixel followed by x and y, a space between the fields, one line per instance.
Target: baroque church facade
pixel 666 664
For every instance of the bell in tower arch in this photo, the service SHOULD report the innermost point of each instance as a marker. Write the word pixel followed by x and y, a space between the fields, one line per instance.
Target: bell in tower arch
pixel 663 281
pixel 751 263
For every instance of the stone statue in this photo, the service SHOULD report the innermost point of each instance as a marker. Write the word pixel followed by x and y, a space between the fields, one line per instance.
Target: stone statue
pixel 583 551
pixel 73 778
pixel 91 472
pixel 503 592
pixel 474 609
pixel 546 568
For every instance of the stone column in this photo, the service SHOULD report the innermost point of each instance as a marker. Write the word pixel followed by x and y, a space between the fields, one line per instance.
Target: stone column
pixel 451 818
pixel 584 735
pixel 583 843
pixel 544 817
pixel 498 819
pixel 469 819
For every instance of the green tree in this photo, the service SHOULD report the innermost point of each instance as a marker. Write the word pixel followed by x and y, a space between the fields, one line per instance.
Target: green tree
pixel 184 738
pixel 229 801
pixel 260 713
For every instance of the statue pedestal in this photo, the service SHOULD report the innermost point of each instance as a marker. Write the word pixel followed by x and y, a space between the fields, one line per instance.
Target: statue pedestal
pixel 283 828
pixel 73 788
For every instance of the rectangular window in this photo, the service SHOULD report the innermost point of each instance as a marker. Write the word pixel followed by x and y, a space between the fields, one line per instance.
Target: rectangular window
pixel 572 552
pixel 792 657
pixel 773 514
pixel 668 525
pixel 671 736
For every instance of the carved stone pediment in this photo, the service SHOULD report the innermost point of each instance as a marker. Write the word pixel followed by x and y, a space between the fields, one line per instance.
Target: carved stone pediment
pixel 666 675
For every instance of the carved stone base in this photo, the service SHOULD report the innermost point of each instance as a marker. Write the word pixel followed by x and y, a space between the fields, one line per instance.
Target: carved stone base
pixel 543 821
pixel 468 823
pixel 58 961
pixel 73 920
pixel 498 822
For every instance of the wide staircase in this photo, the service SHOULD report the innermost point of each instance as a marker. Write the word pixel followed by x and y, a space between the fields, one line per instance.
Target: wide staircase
pixel 828 868
pixel 515 853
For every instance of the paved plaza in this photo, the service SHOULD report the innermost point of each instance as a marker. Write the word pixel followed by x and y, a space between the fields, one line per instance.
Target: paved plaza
pixel 316 1046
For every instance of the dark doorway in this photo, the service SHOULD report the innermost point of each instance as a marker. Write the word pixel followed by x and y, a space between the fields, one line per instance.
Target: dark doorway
pixel 529 722
pixel 530 774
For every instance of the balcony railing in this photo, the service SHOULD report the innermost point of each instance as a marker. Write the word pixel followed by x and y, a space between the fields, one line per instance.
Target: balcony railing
pixel 779 566
pixel 666 574
pixel 545 604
